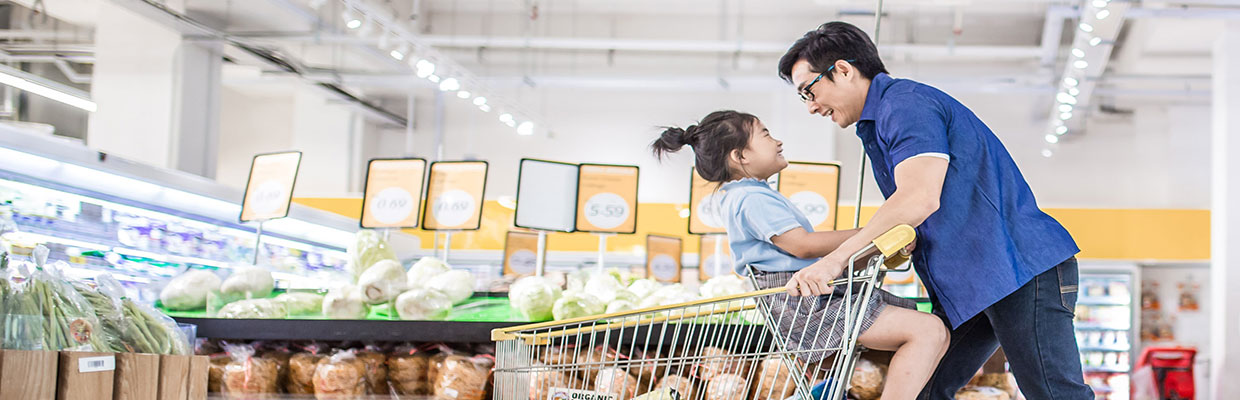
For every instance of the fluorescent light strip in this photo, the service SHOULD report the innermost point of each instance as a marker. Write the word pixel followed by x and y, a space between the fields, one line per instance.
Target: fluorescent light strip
pixel 46 91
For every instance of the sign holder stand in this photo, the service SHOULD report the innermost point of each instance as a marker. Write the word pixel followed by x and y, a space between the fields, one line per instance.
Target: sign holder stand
pixel 718 252
pixel 540 256
pixel 258 240
pixel 447 245
pixel 602 250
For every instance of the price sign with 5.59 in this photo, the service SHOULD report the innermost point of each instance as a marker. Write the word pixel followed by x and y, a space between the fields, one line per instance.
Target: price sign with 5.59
pixel 607 198
pixel 704 203
pixel 520 253
pixel 393 194
pixel 663 255
pixel 454 194
pixel 815 189
pixel 270 187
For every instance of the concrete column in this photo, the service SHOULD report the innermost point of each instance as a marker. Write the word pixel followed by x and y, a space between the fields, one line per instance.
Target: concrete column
pixel 1225 192
pixel 321 130
pixel 196 111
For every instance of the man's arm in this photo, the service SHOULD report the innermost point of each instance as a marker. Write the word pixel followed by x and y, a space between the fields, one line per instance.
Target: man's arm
pixel 919 184
pixel 802 244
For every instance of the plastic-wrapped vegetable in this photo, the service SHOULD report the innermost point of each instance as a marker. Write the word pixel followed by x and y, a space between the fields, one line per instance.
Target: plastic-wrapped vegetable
pixel 344 302
pixel 668 295
pixel 425 269
pixel 624 301
pixel 724 285
pixel 111 318
pixel 643 287
pixel 253 309
pixel 603 286
pixel 247 376
pixel 368 248
pixel 301 303
pixel 188 291
pixel 575 304
pixel 248 282
pixel 341 376
pixel 423 304
pixel 23 317
pixel 69 322
pixel 534 297
pixel 458 285
pixel 382 282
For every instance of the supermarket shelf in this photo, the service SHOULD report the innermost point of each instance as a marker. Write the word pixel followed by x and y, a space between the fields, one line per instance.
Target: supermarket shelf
pixel 1102 327
pixel 1105 348
pixel 346 330
pixel 1104 301
pixel 1117 370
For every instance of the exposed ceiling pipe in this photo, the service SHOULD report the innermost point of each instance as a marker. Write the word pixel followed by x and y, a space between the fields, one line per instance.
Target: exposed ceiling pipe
pixel 70 73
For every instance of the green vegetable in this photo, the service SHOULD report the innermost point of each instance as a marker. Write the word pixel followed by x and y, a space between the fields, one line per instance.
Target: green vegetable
pixel 577 304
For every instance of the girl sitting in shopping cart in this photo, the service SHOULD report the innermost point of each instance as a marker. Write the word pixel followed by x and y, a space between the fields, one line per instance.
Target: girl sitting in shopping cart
pixel 772 240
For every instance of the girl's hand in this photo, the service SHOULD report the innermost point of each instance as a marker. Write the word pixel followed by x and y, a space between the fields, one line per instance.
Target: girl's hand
pixel 815 279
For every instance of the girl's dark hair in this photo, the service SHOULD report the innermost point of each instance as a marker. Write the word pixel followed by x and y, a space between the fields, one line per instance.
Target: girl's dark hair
pixel 829 43
pixel 713 140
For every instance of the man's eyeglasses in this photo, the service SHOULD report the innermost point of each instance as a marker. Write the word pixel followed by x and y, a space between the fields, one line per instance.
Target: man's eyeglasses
pixel 806 94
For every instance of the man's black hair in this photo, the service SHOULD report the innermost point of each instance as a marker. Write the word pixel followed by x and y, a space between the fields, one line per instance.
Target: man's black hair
pixel 829 43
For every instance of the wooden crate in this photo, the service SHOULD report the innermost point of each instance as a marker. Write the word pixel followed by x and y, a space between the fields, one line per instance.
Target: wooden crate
pixel 137 377
pixel 28 374
pixel 174 377
pixel 85 376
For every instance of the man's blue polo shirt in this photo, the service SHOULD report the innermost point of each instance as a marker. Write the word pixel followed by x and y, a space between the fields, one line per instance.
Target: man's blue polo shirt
pixel 988 237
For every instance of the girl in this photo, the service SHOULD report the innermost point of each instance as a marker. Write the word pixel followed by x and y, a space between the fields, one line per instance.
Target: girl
pixel 771 236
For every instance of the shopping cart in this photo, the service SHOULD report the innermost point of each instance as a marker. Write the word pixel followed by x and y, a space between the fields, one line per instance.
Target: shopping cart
pixel 724 348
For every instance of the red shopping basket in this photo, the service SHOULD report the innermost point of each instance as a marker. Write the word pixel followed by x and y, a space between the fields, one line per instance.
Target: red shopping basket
pixel 1173 370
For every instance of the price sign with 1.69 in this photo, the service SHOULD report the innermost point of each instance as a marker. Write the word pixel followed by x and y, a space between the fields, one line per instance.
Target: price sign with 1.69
pixel 269 189
pixel 454 195
pixel 393 193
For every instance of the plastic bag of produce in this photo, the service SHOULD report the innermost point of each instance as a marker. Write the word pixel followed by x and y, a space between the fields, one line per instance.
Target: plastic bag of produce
pixel 684 387
pixel 247 376
pixel 575 304
pixel 368 248
pixel 382 282
pixel 345 302
pixel 724 285
pixel 425 269
pixel 775 381
pixel 248 282
pixel 23 316
pixel 981 393
pixel 616 382
pixel 643 287
pixel 464 378
pixel 253 309
pixel 69 322
pixel 867 380
pixel 534 297
pixel 146 330
pixel 727 387
pixel 341 376
pixel 376 370
pixel 409 371
pixel 301 304
pixel 457 284
pixel 188 291
pixel 111 318
pixel 423 304
pixel 301 369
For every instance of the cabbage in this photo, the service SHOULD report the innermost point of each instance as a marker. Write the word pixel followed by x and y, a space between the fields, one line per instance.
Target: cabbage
pixel 724 285
pixel 577 304
pixel 423 304
pixel 189 290
pixel 576 280
pixel 382 282
pixel 668 295
pixel 248 282
pixel 425 269
pixel 603 286
pixel 644 287
pixel 368 248
pixel 457 284
pixel 344 303
pixel 533 297
pixel 620 306
pixel 301 303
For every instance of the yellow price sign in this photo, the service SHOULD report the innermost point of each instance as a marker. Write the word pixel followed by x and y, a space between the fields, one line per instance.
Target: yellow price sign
pixel 520 253
pixel 607 198
pixel 663 254
pixel 815 189
pixel 454 195
pixel 705 201
pixel 392 197
pixel 269 190
pixel 712 263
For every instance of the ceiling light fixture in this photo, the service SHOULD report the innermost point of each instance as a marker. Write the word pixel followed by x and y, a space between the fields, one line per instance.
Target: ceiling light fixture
pixel 449 85
pixel 478 101
pixel 1052 139
pixel 1066 98
pixel 485 108
pixel 1061 130
pixel 1086 27
pixel 505 118
pixel 1047 153
pixel 433 78
pixel 11 77
pixel 1078 52
pixel 1101 15
pixel 1070 81
pixel 525 128
pixel 1095 41
pixel 1074 91
pixel 1080 64
pixel 1065 116
pixel 1065 108
pixel 464 94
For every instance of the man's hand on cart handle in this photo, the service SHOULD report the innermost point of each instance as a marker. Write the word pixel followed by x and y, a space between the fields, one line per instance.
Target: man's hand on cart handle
pixel 815 279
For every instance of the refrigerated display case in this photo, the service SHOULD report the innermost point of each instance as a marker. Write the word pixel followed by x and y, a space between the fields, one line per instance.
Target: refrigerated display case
pixel 1106 326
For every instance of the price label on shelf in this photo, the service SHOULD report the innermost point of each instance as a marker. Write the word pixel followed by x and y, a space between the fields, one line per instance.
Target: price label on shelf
pixel 270 187
pixel 454 195
pixel 814 189
pixel 393 194
pixel 711 263
pixel 663 254
pixel 520 253
pixel 607 198
pixel 704 203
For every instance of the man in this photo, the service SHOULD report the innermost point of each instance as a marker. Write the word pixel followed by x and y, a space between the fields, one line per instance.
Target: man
pixel 998 269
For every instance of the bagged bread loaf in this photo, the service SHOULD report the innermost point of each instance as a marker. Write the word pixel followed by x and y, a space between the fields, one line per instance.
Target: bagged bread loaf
pixel 463 378
pixel 647 372
pixel 542 382
pixel 617 382
pixel 215 372
pixel 775 381
pixel 981 393
pixel 436 364
pixel 301 367
pixel 376 370
pixel 408 371
pixel 716 361
pixel 594 358
pixel 341 376
pixel 684 387
pixel 867 380
pixel 727 387
pixel 1002 381
pixel 279 354
pixel 248 376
